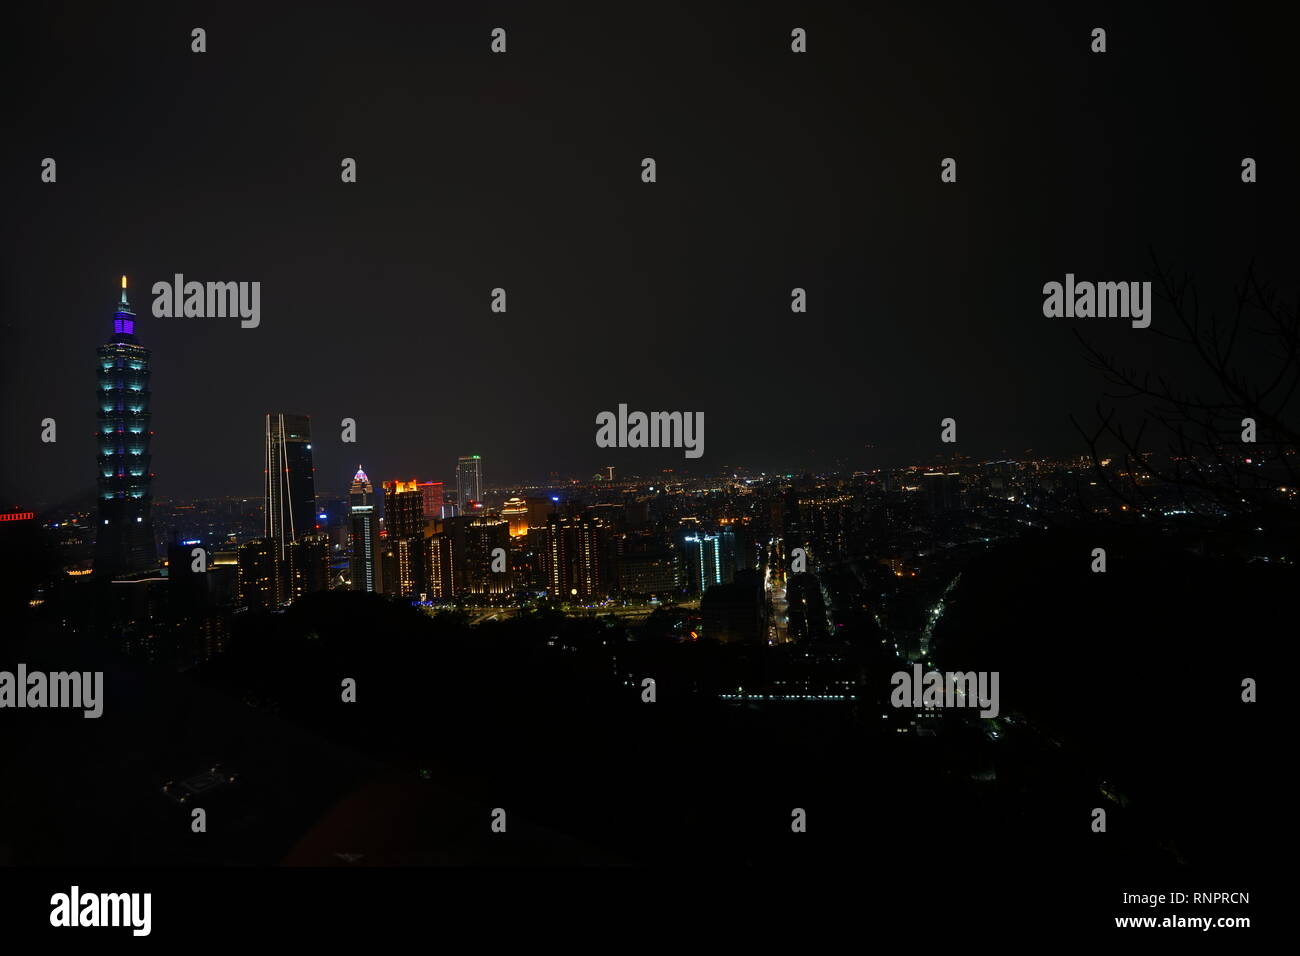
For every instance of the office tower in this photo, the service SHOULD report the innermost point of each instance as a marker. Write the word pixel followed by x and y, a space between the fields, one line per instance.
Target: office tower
pixel 485 534
pixel 469 483
pixel 403 509
pixel 365 539
pixel 308 565
pixel 401 567
pixel 572 557
pixel 727 554
pixel 739 546
pixel 472 539
pixel 440 566
pixel 259 574
pixel 124 541
pixel 706 561
pixel 434 500
pixel 290 487
pixel 403 552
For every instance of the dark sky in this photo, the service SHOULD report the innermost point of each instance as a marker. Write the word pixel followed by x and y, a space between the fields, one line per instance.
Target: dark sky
pixel 523 171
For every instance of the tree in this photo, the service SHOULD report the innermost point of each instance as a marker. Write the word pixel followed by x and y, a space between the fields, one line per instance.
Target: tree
pixel 1253 364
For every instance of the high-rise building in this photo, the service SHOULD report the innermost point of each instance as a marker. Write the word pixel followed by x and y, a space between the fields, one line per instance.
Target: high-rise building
pixel 440 566
pixel 403 509
pixel 124 542
pixel 309 565
pixel 259 574
pixel 470 540
pixel 486 534
pixel 707 563
pixel 403 551
pixel 572 558
pixel 365 533
pixel 469 483
pixel 401 567
pixel 290 486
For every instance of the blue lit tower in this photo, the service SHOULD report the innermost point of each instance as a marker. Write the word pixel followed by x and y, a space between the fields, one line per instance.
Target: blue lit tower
pixel 125 541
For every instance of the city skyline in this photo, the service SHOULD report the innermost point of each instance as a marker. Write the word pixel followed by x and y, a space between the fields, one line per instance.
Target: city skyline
pixel 924 299
pixel 803 443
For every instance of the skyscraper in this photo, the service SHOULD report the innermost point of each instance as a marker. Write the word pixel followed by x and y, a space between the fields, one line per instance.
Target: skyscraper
pixel 485 534
pixel 572 557
pixel 440 564
pixel 704 560
pixel 125 541
pixel 364 533
pixel 290 486
pixel 259 574
pixel 403 552
pixel 308 565
pixel 403 509
pixel 469 482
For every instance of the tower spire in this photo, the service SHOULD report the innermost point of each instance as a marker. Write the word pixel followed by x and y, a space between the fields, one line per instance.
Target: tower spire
pixel 124 303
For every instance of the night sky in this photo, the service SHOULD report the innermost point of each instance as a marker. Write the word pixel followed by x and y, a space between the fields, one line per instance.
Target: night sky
pixel 522 170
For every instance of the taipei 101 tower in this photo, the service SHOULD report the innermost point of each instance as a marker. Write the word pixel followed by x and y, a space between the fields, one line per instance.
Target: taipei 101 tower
pixel 124 542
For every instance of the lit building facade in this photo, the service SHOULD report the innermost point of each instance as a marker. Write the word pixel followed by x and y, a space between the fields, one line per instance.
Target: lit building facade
pixel 403 552
pixel 469 483
pixel 515 511
pixel 124 542
pixel 365 540
pixel 572 557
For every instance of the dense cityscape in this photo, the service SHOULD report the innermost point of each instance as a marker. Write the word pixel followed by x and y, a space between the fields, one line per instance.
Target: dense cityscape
pixel 778 603
pixel 469 469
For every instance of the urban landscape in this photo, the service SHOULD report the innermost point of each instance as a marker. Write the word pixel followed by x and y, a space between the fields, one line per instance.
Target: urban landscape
pixel 519 468
pixel 767 611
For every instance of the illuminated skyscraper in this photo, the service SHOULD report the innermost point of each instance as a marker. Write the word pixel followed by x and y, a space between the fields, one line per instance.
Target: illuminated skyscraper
pixel 440 564
pixel 403 552
pixel 485 534
pixel 290 486
pixel 403 509
pixel 364 533
pixel 572 557
pixel 125 541
pixel 710 559
pixel 469 483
